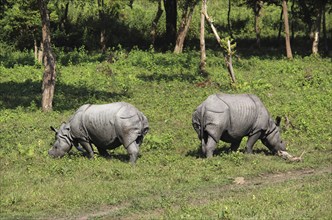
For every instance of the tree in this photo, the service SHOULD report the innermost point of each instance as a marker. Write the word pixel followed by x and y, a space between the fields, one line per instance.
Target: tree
pixel 229 26
pixel 185 23
pixel 286 23
pixel 154 24
pixel 202 39
pixel 49 75
pixel 171 19
pixel 311 13
pixel 258 4
pixel 19 22
pixel 102 25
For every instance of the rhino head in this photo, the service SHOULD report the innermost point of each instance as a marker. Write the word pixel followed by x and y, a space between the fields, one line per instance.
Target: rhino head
pixel 63 141
pixel 272 138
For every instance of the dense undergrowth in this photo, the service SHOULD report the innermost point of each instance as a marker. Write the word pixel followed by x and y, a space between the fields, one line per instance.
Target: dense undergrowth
pixel 170 179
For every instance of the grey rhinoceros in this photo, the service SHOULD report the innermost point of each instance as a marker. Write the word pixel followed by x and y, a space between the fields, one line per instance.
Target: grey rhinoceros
pixel 230 117
pixel 107 126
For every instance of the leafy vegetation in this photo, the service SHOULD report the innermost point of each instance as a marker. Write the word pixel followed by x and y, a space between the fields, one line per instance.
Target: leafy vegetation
pixel 170 179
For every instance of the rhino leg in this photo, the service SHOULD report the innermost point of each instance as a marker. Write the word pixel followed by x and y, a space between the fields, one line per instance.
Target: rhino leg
pixel 87 146
pixel 133 150
pixel 208 145
pixel 103 152
pixel 235 145
pixel 251 141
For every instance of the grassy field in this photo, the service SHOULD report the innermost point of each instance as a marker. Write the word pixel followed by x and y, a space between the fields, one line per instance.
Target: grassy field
pixel 170 179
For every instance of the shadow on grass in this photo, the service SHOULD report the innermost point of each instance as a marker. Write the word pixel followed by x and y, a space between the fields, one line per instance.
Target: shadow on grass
pixel 28 94
pixel 225 149
pixel 198 153
pixel 119 156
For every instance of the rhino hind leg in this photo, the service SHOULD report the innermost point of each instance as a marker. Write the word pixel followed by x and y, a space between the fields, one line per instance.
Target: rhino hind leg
pixel 133 150
pixel 251 141
pixel 208 145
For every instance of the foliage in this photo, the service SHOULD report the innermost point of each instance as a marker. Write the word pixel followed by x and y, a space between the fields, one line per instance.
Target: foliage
pixel 77 23
pixel 170 179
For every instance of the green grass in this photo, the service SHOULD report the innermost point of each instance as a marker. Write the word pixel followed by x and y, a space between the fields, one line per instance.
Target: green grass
pixel 169 181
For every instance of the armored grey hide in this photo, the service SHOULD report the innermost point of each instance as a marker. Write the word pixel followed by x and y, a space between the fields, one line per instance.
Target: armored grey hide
pixel 229 118
pixel 106 126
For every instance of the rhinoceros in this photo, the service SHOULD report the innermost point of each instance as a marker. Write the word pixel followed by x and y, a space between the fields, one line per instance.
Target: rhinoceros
pixel 107 126
pixel 230 117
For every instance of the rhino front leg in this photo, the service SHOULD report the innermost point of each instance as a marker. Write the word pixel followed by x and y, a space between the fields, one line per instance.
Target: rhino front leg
pixel 251 141
pixel 87 146
pixel 133 150
pixel 208 145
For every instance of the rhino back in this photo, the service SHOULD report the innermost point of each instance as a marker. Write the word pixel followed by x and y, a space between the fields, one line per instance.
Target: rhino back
pixel 99 123
pixel 237 115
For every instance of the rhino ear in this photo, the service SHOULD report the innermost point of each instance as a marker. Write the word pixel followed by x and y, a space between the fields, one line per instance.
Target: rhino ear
pixel 278 120
pixel 145 131
pixel 53 129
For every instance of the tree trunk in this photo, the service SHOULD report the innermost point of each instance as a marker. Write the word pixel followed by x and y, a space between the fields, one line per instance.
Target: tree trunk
pixel 280 25
pixel 257 11
pixel 286 23
pixel 326 45
pixel 49 76
pixel 229 62
pixel 35 48
pixel 63 20
pixel 154 24
pixel 316 32
pixel 292 20
pixel 102 26
pixel 228 56
pixel 184 27
pixel 202 40
pixel 40 52
pixel 171 18
pixel 229 26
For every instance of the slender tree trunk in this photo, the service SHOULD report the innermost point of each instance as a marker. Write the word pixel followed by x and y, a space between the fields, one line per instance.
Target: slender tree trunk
pixel 280 25
pixel 292 21
pixel 229 26
pixel 229 61
pixel 326 45
pixel 228 56
pixel 202 39
pixel 49 76
pixel 316 32
pixel 40 52
pixel 35 48
pixel 286 23
pixel 184 27
pixel 63 21
pixel 154 24
pixel 257 11
pixel 102 26
pixel 171 18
